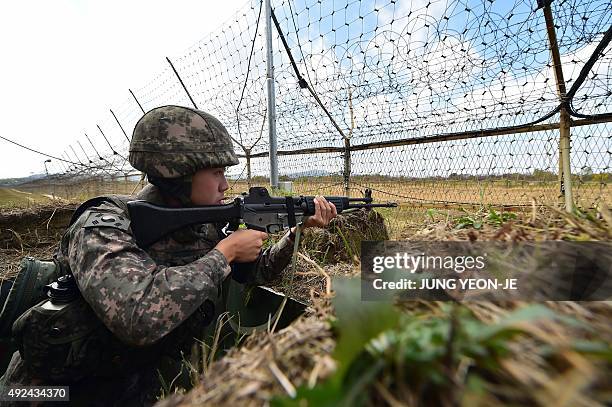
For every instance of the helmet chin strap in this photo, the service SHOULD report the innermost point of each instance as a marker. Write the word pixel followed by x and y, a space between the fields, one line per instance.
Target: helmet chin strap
pixel 179 188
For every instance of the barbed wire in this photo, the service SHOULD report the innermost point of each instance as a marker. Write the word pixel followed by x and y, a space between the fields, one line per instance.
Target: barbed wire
pixel 446 74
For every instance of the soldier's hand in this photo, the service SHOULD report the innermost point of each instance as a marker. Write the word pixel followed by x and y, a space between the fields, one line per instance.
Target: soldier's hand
pixel 242 246
pixel 324 213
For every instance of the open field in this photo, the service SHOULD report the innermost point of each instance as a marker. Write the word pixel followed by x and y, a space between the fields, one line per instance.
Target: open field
pixel 425 193
pixel 10 197
pixel 457 193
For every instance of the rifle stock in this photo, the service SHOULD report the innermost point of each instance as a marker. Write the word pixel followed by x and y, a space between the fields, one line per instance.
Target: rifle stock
pixel 257 209
pixel 152 222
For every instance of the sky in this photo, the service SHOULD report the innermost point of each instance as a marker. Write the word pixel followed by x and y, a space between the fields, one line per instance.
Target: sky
pixel 66 62
pixel 411 73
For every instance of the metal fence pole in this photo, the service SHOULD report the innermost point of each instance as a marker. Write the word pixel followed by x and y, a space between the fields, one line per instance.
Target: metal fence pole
pixel 347 166
pixel 347 147
pixel 564 119
pixel 67 157
pixel 247 154
pixel 120 126
pixel 77 156
pixel 63 166
pixel 182 84
pixel 271 96
pixel 139 105
pixel 84 152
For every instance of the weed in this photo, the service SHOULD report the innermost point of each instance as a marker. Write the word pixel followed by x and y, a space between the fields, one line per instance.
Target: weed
pixel 480 218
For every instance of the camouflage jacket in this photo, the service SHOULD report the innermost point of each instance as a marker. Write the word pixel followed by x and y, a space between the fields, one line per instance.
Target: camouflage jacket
pixel 141 295
pixel 154 302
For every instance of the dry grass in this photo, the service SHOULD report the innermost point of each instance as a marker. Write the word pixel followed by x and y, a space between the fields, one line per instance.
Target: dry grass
pixel 543 366
pixel 441 192
pixel 267 364
pixel 341 241
pixel 546 363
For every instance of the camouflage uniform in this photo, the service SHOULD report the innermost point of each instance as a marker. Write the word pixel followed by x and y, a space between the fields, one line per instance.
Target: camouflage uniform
pixel 152 302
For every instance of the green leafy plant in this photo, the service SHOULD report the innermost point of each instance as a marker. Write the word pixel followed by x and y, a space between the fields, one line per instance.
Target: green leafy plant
pixel 416 353
pixel 431 212
pixel 499 218
pixel 466 221
pixel 480 218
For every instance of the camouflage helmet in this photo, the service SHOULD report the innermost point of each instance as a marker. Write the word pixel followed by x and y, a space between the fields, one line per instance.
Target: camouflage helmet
pixel 175 141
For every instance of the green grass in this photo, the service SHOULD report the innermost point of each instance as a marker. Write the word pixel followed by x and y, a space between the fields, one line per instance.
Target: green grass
pixel 13 198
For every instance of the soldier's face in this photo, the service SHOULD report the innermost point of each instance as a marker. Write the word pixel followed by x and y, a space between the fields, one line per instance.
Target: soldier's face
pixel 208 186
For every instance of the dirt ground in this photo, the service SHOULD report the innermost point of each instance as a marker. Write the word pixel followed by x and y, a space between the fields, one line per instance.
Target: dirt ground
pixel 34 231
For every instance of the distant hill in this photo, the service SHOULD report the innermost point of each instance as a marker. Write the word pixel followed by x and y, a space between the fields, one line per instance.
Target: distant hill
pixel 9 182
pixel 311 173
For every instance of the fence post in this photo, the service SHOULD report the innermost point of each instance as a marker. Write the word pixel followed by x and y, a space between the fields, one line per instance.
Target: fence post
pixel 94 147
pixel 271 96
pixel 84 152
pixel 77 156
pixel 347 166
pixel 347 147
pixel 182 84
pixel 120 126
pixel 247 154
pixel 137 102
pixel 564 119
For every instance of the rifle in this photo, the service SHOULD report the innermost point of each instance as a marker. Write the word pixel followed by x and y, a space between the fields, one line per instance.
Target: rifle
pixel 257 209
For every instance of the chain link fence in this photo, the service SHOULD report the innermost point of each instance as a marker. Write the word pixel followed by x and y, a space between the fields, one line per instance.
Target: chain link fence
pixel 425 102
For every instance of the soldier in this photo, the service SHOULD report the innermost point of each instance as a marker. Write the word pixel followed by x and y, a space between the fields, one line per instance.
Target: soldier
pixel 153 303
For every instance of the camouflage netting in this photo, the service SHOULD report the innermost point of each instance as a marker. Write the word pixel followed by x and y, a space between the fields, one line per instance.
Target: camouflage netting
pixel 340 243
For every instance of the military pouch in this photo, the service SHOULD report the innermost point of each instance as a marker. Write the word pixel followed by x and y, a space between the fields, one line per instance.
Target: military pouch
pixel 61 343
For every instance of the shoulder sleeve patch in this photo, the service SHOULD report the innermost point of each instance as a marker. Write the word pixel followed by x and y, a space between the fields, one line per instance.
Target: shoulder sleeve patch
pixel 107 219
